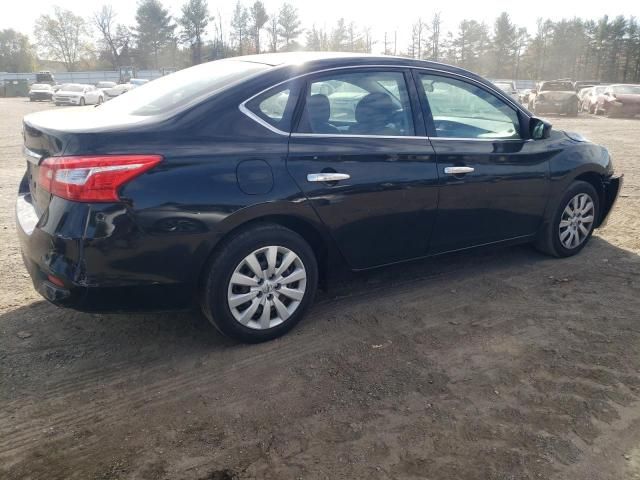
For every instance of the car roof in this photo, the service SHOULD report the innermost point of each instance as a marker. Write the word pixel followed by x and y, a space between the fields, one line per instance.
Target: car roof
pixel 330 59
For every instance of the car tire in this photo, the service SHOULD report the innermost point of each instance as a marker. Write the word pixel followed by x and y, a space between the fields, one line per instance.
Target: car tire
pixel 82 102
pixel 57 104
pixel 572 216
pixel 100 100
pixel 248 322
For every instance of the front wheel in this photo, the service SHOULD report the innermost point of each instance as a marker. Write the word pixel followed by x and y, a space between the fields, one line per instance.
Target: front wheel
pixel 573 222
pixel 260 283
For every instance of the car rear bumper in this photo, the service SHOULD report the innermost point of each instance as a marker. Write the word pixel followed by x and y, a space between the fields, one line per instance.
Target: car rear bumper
pixel 625 109
pixel 612 187
pixel 111 269
pixel 40 96
pixel 553 107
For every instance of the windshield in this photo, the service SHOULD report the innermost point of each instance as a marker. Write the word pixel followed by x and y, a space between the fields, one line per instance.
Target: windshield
pixel 40 86
pixel 106 84
pixel 626 89
pixel 600 89
pixel 180 88
pixel 72 88
pixel 556 87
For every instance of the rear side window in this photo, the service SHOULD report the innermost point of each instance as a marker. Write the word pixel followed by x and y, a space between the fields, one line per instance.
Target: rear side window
pixel 275 106
pixel 358 103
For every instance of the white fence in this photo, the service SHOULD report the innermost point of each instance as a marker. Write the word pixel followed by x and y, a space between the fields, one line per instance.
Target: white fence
pixel 82 77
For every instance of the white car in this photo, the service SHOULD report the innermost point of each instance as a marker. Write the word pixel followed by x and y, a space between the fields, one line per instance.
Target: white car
pixel 40 91
pixel 105 85
pixel 78 94
pixel 118 90
pixel 509 88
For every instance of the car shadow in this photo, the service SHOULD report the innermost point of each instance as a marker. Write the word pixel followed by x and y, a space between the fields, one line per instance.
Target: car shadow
pixel 41 342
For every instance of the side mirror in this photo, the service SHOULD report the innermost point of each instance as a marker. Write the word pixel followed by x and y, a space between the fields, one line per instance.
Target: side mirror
pixel 539 129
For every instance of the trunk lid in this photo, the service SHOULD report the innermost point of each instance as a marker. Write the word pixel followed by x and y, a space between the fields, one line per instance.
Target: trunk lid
pixel 628 98
pixel 54 133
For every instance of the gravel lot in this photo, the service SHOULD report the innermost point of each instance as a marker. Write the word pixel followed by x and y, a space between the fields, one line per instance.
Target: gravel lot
pixel 498 364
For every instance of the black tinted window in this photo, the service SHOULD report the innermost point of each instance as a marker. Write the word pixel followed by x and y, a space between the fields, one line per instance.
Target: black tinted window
pixel 362 103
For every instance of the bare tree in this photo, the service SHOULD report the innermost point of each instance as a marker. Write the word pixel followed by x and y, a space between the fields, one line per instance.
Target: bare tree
pixel 61 36
pixel 240 26
pixel 273 32
pixel 115 37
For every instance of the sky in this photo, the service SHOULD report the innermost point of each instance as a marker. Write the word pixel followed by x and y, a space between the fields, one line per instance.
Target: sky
pixel 381 16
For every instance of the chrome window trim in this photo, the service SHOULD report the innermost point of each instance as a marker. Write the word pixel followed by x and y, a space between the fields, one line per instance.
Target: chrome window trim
pixel 243 108
pixel 352 135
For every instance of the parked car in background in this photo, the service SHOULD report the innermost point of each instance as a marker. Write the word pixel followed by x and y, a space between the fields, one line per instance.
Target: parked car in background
pixel 509 87
pixel 78 94
pixel 45 77
pixel 138 81
pixel 118 90
pixel 105 85
pixel 206 188
pixel 580 84
pixel 581 94
pixel 555 96
pixel 40 92
pixel 619 100
pixel 523 97
pixel 590 99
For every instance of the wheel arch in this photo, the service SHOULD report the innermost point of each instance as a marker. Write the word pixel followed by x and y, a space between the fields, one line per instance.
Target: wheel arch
pixel 311 232
pixel 595 179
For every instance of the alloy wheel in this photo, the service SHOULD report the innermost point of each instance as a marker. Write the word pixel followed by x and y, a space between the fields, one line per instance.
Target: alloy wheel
pixel 266 287
pixel 576 221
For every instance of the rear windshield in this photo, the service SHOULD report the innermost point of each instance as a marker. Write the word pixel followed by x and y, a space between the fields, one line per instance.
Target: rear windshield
pixel 626 89
pixel 167 93
pixel 556 87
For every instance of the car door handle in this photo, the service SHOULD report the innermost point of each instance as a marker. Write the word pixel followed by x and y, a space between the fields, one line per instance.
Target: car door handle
pixel 458 170
pixel 327 177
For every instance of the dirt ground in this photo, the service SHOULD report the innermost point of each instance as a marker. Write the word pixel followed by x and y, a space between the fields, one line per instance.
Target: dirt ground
pixel 495 364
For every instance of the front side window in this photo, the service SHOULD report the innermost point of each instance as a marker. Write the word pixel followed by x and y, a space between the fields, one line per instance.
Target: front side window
pixel 463 110
pixel 358 103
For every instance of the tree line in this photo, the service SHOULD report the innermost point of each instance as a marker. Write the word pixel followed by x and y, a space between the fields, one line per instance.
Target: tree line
pixel 606 49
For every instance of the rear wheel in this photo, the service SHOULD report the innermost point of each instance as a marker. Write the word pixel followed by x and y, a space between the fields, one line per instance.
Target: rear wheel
pixel 260 283
pixel 573 222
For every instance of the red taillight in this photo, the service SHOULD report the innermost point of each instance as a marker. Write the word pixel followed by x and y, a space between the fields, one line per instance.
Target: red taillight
pixel 92 178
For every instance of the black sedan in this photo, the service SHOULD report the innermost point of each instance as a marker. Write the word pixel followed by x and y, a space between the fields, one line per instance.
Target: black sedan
pixel 242 184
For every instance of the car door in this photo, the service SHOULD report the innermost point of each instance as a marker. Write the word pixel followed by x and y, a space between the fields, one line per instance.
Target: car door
pixel 360 155
pixel 494 181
